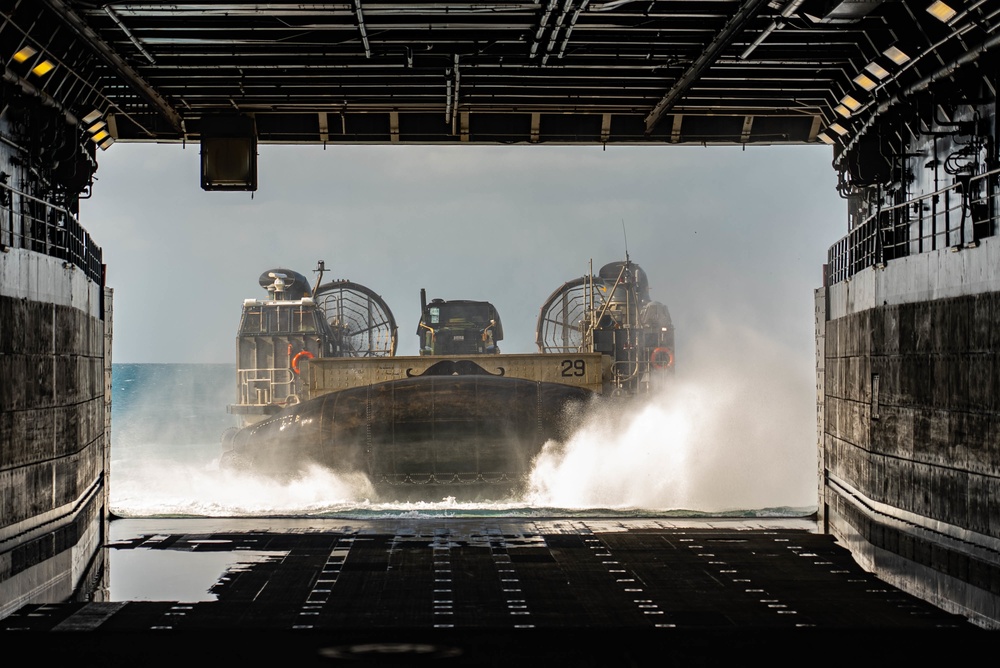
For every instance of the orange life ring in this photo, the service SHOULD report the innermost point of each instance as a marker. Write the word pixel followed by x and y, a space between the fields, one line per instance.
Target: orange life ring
pixel 300 355
pixel 656 358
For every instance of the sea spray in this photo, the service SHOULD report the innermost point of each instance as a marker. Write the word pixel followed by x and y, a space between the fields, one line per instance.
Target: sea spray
pixel 161 487
pixel 733 430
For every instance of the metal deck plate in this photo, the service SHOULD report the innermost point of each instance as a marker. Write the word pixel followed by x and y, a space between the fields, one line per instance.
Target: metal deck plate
pixel 477 589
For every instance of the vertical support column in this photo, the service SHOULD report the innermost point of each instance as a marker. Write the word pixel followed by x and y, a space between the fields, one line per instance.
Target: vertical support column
pixel 675 130
pixel 820 324
pixel 102 591
pixel 394 127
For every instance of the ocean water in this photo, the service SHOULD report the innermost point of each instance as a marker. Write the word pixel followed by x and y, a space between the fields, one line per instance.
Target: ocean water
pixel 664 457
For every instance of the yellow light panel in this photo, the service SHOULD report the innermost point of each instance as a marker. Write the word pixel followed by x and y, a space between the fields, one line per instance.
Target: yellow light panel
pixel 823 138
pixel 941 11
pixel 838 128
pixel 24 54
pixel 96 126
pixel 850 102
pixel 877 70
pixel 100 135
pixel 42 68
pixel 843 111
pixel 865 81
pixel 896 55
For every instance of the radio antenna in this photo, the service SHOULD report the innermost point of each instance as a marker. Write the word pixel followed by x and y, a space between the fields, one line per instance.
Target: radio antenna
pixel 625 234
pixel 320 270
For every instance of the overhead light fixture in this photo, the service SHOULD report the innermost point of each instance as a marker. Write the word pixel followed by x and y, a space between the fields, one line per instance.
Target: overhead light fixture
pixel 942 11
pixel 106 143
pixel 843 111
pixel 823 138
pixel 43 68
pixel 838 128
pixel 100 136
pixel 91 117
pixel 851 103
pixel 865 81
pixel 96 126
pixel 877 70
pixel 25 53
pixel 228 152
pixel 896 55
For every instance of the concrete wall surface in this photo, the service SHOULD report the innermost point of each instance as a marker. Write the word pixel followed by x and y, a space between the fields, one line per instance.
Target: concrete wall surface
pixel 918 278
pixel 52 429
pixel 53 435
pixel 910 424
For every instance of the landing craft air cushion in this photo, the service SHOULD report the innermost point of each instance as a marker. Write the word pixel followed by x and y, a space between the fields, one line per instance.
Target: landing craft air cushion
pixel 319 381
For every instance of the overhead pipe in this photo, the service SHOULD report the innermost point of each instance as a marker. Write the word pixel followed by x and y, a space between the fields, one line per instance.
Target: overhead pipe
pixel 554 35
pixel 572 24
pixel 965 12
pixel 128 33
pixel 11 77
pixel 454 112
pixel 788 11
pixel 533 51
pixel 361 27
pixel 447 101
pixel 711 53
pixel 615 4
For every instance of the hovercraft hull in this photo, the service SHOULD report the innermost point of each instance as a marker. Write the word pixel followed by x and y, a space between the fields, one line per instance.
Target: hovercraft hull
pixel 423 436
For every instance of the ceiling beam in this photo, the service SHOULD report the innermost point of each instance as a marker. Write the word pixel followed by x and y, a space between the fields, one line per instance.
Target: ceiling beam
pixel 711 53
pixel 115 62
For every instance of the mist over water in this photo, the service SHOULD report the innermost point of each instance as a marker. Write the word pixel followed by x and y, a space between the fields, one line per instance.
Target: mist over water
pixel 161 487
pixel 735 431
pixel 167 427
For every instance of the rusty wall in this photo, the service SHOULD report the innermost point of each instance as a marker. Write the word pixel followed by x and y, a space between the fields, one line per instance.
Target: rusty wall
pixel 910 444
pixel 53 441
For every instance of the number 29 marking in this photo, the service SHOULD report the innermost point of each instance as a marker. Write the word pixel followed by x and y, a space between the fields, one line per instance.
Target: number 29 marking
pixel 573 368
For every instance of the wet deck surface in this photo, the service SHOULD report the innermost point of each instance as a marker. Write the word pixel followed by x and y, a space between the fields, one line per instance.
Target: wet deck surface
pixel 489 591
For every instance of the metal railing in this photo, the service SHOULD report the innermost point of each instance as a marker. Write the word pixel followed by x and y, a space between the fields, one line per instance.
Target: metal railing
pixel 631 377
pixel 261 387
pixel 952 217
pixel 36 225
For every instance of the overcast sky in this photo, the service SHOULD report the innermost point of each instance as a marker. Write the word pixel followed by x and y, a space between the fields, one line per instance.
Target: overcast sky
pixel 728 237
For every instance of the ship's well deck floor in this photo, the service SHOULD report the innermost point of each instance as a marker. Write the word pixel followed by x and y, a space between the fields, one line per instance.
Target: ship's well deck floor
pixel 491 591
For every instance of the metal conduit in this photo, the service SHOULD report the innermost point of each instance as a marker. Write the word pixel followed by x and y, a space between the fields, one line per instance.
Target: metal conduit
pixel 9 76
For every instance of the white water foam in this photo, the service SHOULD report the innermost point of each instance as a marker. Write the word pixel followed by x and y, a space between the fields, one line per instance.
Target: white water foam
pixel 158 486
pixel 734 430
